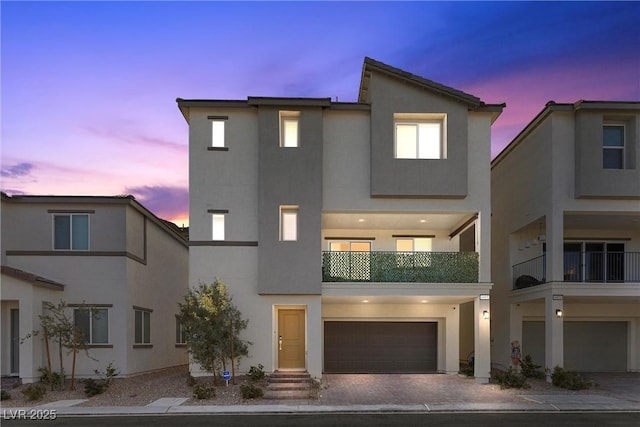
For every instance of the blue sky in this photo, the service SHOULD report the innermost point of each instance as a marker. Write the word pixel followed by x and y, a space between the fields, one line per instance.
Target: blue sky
pixel 89 88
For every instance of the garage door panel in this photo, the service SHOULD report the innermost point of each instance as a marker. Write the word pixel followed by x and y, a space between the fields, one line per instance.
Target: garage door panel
pixel 380 347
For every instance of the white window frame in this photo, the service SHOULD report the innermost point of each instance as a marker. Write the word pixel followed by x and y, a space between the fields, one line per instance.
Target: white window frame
pixel 218 126
pixel 615 147
pixel 218 226
pixel 145 319
pixel 70 216
pixel 417 119
pixel 180 337
pixel 90 340
pixel 288 211
pixel 287 117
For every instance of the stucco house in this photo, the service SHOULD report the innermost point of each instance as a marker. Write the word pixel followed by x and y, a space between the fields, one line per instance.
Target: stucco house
pixel 354 236
pixel 110 253
pixel 566 239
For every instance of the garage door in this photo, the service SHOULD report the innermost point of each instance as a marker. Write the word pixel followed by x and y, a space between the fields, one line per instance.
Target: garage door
pixel 588 346
pixel 380 347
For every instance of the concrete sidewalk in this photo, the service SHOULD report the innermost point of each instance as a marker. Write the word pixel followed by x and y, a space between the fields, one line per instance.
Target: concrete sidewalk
pixel 400 393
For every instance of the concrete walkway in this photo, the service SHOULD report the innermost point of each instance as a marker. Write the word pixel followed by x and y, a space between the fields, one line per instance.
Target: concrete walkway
pixel 406 393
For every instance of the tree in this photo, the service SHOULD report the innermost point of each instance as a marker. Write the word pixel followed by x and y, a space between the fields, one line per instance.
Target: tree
pixel 212 324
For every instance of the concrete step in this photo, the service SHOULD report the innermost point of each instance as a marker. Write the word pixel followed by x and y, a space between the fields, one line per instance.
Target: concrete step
pixel 296 380
pixel 288 386
pixel 286 394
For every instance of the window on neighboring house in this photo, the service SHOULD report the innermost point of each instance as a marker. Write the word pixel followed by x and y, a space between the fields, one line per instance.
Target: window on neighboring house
pixel 217 224
pixel 289 135
pixel 142 326
pixel 420 136
pixel 180 332
pixel 217 131
pixel 288 223
pixel 71 232
pixel 93 324
pixel 613 146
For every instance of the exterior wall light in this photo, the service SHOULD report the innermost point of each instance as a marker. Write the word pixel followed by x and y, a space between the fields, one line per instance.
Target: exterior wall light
pixel 485 314
pixel 559 313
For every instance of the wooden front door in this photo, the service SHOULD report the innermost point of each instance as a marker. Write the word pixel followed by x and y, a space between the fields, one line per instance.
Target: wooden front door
pixel 291 339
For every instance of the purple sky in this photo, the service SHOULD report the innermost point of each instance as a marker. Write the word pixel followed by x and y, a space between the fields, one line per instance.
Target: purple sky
pixel 89 89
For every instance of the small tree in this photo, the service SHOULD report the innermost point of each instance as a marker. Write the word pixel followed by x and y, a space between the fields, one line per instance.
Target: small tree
pixel 212 324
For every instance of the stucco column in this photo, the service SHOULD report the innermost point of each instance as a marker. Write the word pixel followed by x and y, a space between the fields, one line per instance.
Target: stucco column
pixel 483 239
pixel 515 330
pixel 554 333
pixel 482 330
pixel 29 357
pixel 314 337
pixel 555 246
pixel 452 347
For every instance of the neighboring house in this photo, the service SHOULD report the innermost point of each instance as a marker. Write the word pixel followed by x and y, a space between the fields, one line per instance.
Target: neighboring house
pixel 566 239
pixel 107 252
pixel 354 236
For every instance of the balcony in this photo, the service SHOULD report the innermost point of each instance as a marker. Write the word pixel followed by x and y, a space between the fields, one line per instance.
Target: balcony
pixel 582 267
pixel 402 267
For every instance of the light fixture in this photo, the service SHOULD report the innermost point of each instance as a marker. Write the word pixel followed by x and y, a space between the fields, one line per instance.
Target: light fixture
pixel 424 301
pixel 360 219
pixel 485 314
pixel 559 313
pixel 423 220
pixel 365 300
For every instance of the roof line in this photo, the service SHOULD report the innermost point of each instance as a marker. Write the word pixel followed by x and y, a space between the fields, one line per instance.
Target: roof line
pixel 34 279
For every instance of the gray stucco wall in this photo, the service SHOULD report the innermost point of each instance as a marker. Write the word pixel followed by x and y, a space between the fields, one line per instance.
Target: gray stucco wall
pixel 290 176
pixel 392 177
pixel 592 180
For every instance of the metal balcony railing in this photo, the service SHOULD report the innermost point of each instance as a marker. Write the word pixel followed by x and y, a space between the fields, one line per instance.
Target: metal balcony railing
pixel 411 267
pixel 603 267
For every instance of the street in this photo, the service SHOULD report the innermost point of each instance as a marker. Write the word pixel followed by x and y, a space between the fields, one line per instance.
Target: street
pixel 583 419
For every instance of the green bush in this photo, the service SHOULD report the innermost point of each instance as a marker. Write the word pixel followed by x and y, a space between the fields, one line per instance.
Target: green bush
pixel 511 379
pixel 256 373
pixel 93 387
pixel 201 391
pixel 34 391
pixel 5 395
pixel 55 381
pixel 569 379
pixel 529 369
pixel 251 391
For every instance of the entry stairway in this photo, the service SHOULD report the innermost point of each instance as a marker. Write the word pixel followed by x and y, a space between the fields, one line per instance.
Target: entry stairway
pixel 289 385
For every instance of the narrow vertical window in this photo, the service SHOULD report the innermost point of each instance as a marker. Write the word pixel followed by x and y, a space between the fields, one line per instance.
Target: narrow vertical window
pixel 218 132
pixel 288 223
pixel 289 132
pixel 613 146
pixel 217 224
pixel 142 326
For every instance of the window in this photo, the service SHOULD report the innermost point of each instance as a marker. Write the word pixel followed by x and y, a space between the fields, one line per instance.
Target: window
pixel 71 232
pixel 407 252
pixel 350 260
pixel 217 133
pixel 217 227
pixel 181 337
pixel 288 223
pixel 289 135
pixel 93 324
pixel 418 244
pixel 613 146
pixel 142 326
pixel 420 136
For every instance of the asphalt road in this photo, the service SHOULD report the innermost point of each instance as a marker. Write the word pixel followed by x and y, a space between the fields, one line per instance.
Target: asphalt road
pixel 584 419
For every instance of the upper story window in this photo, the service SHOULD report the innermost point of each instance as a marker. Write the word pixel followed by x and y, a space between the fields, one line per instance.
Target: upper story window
pixel 419 136
pixel 289 123
pixel 71 232
pixel 288 223
pixel 217 226
pixel 218 132
pixel 418 244
pixel 93 324
pixel 613 146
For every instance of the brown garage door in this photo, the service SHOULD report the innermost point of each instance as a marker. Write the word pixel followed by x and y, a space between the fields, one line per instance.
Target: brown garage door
pixel 380 347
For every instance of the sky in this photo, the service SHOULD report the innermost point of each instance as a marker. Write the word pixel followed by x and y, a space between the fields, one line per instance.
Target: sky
pixel 88 89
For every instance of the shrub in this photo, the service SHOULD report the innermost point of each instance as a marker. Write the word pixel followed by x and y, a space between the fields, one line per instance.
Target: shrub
pixel 5 395
pixel 569 379
pixel 55 380
pixel 93 387
pixel 251 391
pixel 190 380
pixel 511 379
pixel 256 373
pixel 34 391
pixel 529 369
pixel 201 391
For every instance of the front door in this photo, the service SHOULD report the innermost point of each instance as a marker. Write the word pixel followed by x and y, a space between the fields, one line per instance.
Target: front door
pixel 291 339
pixel 15 341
